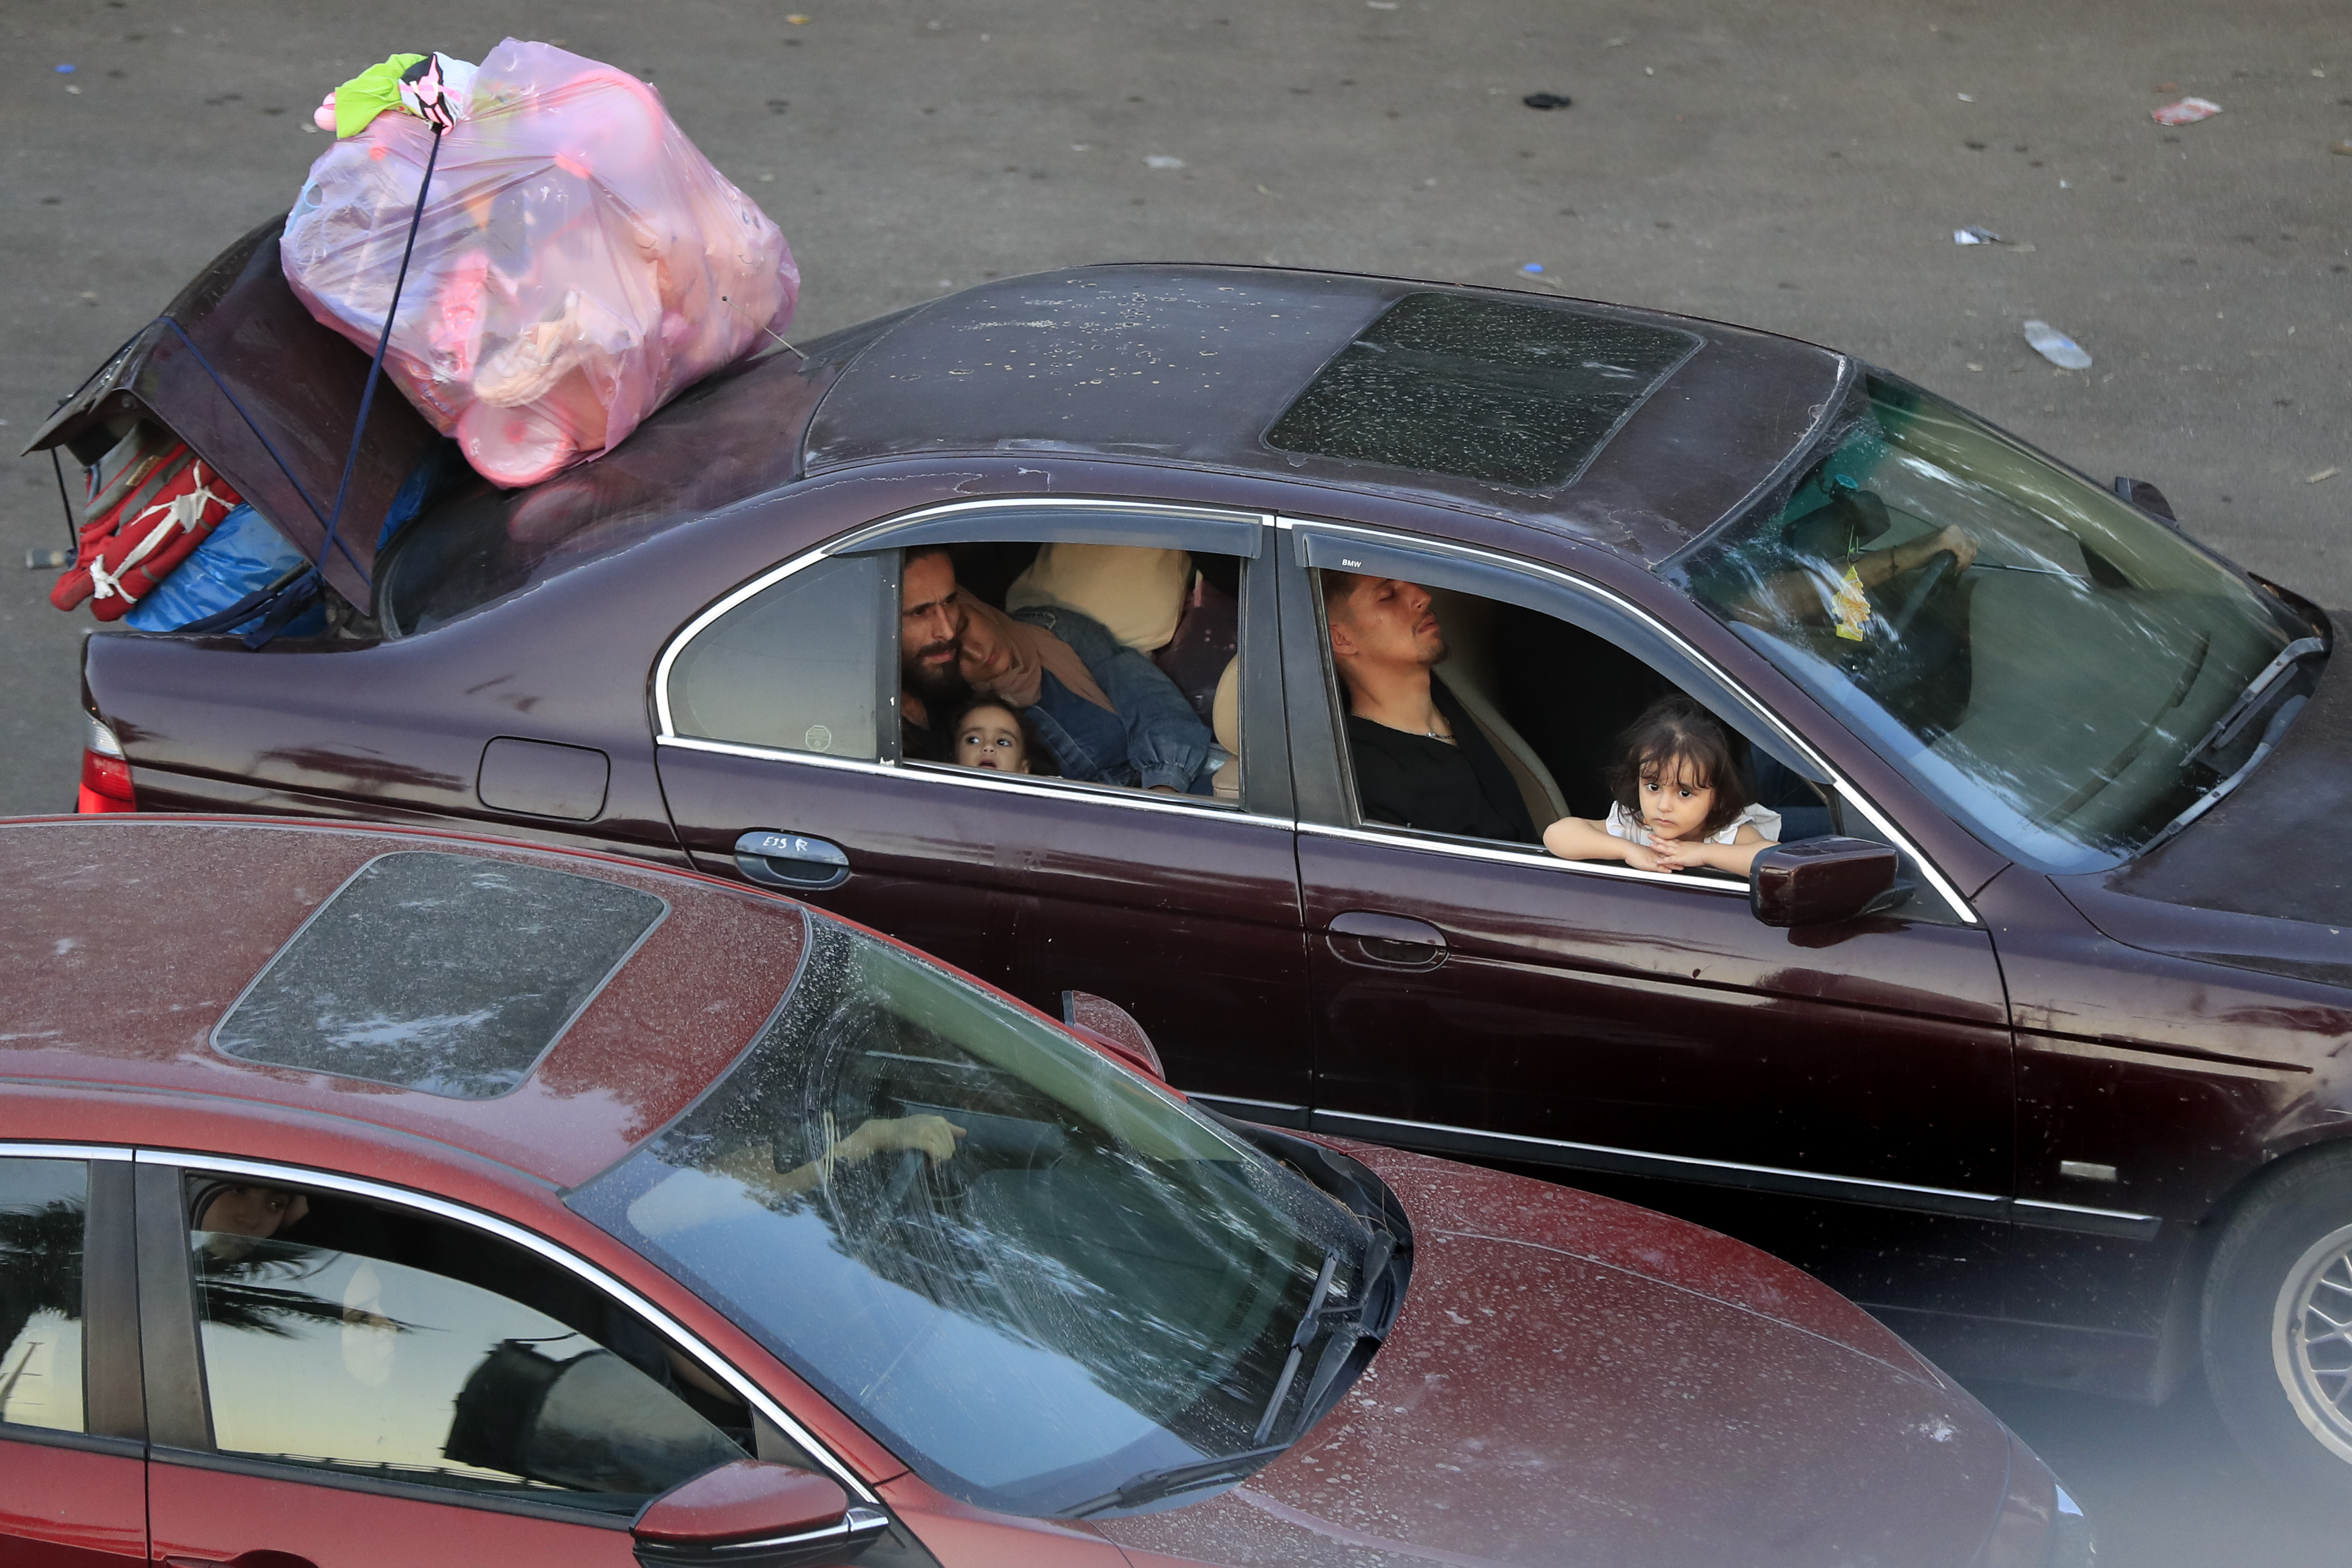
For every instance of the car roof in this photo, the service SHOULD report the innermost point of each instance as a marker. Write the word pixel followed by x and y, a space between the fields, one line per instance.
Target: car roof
pixel 1192 365
pixel 127 940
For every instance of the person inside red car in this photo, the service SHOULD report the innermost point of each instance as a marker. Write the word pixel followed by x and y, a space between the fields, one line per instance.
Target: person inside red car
pixel 230 1208
pixel 754 1166
pixel 1420 761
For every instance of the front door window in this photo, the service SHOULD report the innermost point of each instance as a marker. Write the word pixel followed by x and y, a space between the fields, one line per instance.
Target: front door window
pixel 347 1339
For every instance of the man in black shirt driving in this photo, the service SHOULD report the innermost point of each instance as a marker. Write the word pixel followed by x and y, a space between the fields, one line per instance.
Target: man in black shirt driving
pixel 1419 762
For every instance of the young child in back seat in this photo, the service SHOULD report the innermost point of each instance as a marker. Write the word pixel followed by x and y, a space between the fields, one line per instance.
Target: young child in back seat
pixel 993 734
pixel 1680 803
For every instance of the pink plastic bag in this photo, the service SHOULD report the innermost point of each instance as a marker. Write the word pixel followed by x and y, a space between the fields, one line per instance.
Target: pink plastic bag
pixel 580 263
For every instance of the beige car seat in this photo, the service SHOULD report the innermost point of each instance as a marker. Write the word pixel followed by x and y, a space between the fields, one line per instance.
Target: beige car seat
pixel 1226 720
pixel 1137 592
pixel 1469 673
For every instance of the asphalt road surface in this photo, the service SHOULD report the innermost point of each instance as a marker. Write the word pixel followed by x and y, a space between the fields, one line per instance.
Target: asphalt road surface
pixel 1791 165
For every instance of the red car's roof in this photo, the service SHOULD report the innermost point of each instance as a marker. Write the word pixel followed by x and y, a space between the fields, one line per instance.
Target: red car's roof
pixel 126 939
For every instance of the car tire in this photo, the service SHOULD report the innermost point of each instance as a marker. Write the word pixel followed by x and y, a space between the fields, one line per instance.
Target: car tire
pixel 2279 1367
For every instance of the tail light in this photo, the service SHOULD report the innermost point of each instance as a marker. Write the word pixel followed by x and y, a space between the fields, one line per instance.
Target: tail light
pixel 105 774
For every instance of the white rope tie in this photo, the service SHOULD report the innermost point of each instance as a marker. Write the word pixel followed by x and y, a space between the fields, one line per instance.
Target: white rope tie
pixel 183 512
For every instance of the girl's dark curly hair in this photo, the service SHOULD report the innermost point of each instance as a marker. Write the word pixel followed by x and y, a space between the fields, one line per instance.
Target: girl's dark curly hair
pixel 1676 730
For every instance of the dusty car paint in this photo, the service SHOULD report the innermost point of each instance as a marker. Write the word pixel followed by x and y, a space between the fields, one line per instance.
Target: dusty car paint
pixel 1606 1377
pixel 1930 1089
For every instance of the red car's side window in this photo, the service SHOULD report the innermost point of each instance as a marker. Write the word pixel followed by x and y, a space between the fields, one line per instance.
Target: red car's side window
pixel 42 1207
pixel 358 1340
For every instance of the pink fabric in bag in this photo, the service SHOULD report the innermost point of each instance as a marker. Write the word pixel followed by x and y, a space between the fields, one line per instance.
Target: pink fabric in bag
pixel 579 264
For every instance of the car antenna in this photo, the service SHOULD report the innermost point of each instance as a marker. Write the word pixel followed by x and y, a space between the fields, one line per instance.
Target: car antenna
pixel 761 325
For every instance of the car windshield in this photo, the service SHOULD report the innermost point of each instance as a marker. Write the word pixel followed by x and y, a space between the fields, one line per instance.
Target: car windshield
pixel 1089 1303
pixel 2067 676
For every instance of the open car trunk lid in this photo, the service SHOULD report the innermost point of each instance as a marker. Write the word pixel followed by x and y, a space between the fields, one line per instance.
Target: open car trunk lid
pixel 236 368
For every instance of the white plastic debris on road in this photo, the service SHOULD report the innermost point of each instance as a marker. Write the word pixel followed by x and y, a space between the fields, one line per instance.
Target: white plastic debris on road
pixel 2188 111
pixel 2056 346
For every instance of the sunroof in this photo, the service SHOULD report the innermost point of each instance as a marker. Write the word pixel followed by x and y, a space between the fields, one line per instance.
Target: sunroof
pixel 445 974
pixel 1524 395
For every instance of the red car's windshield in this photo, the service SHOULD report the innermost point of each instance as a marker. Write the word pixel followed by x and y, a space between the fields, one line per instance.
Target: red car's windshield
pixel 1052 1287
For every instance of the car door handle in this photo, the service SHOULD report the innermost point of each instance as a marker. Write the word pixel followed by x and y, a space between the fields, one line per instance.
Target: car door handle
pixel 791 860
pixel 1386 941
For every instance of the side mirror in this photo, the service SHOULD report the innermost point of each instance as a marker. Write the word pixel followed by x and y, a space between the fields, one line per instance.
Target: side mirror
pixel 2147 498
pixel 754 1514
pixel 1816 881
pixel 1107 1027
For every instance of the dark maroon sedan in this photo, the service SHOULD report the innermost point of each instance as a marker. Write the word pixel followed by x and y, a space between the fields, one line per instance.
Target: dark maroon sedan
pixel 372 1198
pixel 2028 1037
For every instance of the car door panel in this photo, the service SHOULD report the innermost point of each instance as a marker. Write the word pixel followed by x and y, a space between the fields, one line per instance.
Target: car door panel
pixel 1184 912
pixel 923 861
pixel 1651 1024
pixel 70 1508
pixel 1186 918
pixel 206 1515
pixel 1617 1013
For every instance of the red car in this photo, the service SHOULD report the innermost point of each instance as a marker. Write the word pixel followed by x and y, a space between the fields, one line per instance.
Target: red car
pixel 372 1198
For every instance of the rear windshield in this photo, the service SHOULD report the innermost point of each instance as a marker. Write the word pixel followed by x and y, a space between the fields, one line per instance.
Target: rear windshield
pixel 445 974
pixel 1524 395
pixel 735 436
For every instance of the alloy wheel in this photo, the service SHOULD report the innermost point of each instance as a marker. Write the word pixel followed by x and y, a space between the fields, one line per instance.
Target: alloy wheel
pixel 2310 1340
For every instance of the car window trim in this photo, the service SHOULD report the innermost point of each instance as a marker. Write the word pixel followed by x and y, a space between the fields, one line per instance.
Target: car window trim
pixel 378 1486
pixel 1190 805
pixel 1476 1142
pixel 179 1161
pixel 1219 530
pixel 1617 603
pixel 1528 856
pixel 27 1150
pixel 985 521
pixel 892 533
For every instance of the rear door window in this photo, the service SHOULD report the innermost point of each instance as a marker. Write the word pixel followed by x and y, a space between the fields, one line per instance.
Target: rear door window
pixel 793 666
pixel 43 1206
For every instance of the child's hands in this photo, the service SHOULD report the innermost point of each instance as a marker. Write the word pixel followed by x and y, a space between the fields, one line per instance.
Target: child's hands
pixel 1643 859
pixel 1678 855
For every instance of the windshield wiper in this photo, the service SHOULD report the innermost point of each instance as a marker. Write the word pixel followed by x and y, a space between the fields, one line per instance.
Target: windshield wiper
pixel 1153 1485
pixel 1300 1338
pixel 2225 729
pixel 2212 798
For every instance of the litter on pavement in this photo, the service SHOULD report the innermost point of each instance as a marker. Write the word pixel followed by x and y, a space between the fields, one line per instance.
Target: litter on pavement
pixel 2056 346
pixel 2323 474
pixel 1976 233
pixel 2188 111
pixel 1532 267
pixel 1546 100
